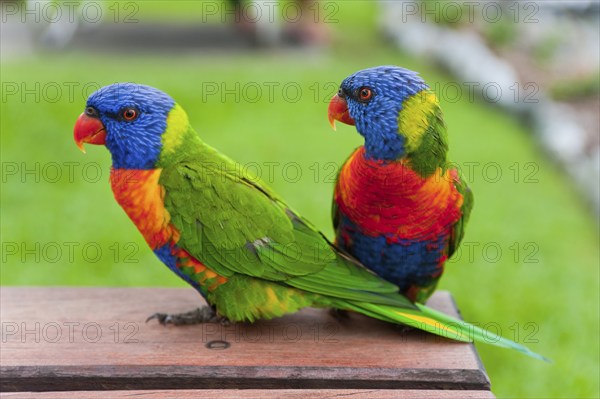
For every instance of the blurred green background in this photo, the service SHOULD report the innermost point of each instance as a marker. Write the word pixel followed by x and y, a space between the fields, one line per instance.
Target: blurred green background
pixel 61 226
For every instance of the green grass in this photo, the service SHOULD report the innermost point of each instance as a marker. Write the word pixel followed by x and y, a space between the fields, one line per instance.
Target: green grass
pixel 539 210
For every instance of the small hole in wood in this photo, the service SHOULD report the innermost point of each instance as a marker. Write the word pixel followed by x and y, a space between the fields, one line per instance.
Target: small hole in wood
pixel 218 345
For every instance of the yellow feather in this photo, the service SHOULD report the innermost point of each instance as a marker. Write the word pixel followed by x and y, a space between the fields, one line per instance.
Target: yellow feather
pixel 458 335
pixel 412 120
pixel 177 123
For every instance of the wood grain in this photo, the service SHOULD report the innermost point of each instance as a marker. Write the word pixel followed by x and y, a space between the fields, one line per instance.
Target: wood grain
pixel 258 394
pixel 96 338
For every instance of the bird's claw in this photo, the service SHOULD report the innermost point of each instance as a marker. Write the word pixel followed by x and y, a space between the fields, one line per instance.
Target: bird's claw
pixel 404 329
pixel 339 315
pixel 162 318
pixel 197 316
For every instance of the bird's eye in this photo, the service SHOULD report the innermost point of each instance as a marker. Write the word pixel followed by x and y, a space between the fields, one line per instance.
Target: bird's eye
pixel 365 94
pixel 129 114
pixel 341 92
pixel 91 112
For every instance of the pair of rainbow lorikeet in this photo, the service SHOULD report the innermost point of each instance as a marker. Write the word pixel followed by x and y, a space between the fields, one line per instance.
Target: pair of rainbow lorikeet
pixel 398 209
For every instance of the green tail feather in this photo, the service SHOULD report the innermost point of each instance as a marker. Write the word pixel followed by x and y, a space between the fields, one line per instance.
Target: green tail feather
pixel 439 323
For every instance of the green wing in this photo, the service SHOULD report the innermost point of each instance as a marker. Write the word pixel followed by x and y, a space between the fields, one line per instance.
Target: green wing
pixel 235 225
pixel 458 230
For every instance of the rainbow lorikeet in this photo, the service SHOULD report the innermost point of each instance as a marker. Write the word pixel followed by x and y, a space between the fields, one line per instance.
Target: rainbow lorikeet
pixel 227 234
pixel 398 206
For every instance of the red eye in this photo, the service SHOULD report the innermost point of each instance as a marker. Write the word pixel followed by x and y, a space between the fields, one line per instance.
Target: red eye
pixel 365 94
pixel 130 114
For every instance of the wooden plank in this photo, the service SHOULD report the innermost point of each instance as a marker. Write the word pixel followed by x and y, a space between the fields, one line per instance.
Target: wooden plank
pixel 96 338
pixel 257 394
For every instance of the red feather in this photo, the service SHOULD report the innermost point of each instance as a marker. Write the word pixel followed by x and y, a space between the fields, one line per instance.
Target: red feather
pixel 390 198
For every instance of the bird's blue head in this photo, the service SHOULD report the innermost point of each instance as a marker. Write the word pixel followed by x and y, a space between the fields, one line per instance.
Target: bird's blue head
pixel 130 119
pixel 372 99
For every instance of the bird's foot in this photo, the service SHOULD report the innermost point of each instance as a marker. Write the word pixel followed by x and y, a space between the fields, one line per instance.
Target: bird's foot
pixel 404 329
pixel 339 314
pixel 206 314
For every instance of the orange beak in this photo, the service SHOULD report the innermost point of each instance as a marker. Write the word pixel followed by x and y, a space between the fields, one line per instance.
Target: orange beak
pixel 338 111
pixel 88 130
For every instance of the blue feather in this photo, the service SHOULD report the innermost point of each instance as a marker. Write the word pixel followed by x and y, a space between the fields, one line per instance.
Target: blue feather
pixel 377 120
pixel 142 134
pixel 405 263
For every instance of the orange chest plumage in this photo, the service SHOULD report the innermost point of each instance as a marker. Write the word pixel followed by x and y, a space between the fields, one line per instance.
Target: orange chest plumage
pixel 392 199
pixel 142 198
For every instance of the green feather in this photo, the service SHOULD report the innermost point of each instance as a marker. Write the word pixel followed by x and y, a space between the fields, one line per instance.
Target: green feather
pixel 421 121
pixel 458 230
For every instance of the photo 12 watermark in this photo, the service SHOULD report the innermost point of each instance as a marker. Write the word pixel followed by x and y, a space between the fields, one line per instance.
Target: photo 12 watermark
pixel 89 12
pixel 72 332
pixel 271 11
pixel 252 92
pixel 51 172
pixel 71 252
pixel 492 252
pixel 75 172
pixel 453 12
